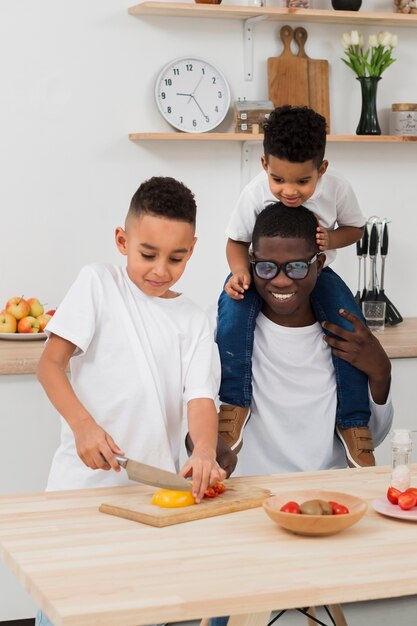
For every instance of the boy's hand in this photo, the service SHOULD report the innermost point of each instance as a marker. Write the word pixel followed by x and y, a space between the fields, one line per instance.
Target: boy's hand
pixel 95 447
pixel 204 469
pixel 322 238
pixel 237 284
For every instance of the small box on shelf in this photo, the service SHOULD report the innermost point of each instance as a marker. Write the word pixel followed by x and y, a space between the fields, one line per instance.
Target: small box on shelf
pixel 249 115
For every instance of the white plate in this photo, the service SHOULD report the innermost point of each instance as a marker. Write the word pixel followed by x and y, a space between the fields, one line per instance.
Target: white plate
pixel 22 336
pixel 383 506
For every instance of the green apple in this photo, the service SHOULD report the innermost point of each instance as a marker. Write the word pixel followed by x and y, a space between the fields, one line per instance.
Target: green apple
pixel 8 323
pixel 36 307
pixel 18 307
pixel 28 324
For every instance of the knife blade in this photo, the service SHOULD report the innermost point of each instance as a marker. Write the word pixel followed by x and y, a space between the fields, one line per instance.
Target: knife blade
pixel 150 475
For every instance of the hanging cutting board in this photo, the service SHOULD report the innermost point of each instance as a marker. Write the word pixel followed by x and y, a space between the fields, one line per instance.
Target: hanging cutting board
pixel 288 74
pixel 318 78
pixel 137 505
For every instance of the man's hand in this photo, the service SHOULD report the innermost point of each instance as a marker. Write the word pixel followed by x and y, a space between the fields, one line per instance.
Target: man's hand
pixel 95 447
pixel 237 284
pixel 226 458
pixel 361 349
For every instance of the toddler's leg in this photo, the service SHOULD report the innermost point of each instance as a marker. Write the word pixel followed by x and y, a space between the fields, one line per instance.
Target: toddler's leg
pixel 42 620
pixel 352 417
pixel 235 332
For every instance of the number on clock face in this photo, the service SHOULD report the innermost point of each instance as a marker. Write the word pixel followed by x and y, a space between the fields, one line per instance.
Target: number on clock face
pixel 192 95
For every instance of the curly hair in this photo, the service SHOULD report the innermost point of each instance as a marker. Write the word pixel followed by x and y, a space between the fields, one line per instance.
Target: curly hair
pixel 166 197
pixel 278 220
pixel 296 134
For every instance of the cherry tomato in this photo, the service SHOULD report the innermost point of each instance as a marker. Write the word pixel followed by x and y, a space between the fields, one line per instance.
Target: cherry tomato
pixel 407 501
pixel 392 495
pixel 338 509
pixel 219 487
pixel 170 498
pixel 290 507
pixel 210 492
pixel 411 490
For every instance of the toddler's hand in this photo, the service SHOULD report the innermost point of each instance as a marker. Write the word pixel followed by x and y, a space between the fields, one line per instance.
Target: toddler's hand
pixel 95 447
pixel 204 469
pixel 237 285
pixel 322 238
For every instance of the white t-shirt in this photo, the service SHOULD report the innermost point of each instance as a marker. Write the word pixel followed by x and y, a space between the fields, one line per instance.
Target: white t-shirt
pixel 292 425
pixel 138 359
pixel 333 202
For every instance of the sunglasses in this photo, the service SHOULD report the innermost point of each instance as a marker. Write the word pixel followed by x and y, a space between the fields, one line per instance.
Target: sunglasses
pixel 296 270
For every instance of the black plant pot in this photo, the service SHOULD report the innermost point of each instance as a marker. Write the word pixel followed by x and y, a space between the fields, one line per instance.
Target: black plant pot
pixel 346 5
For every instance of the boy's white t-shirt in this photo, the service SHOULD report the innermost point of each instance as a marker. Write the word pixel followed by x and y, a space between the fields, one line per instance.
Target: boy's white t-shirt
pixel 333 203
pixel 293 411
pixel 138 359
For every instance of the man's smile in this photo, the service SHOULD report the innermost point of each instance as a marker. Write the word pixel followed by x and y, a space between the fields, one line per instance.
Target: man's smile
pixel 282 297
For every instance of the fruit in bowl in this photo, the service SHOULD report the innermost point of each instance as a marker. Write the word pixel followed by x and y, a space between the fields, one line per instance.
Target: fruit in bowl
pixel 24 316
pixel 321 521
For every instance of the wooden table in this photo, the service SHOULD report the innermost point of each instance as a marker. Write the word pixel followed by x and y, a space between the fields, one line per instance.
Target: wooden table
pixel 84 567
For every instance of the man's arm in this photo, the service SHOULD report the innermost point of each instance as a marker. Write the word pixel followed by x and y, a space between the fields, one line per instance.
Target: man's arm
pixel 362 349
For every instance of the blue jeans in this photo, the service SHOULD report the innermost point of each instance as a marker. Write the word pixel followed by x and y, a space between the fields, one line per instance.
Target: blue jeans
pixel 42 620
pixel 235 334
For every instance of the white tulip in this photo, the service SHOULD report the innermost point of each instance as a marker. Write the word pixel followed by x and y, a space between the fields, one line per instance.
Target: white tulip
pixel 384 38
pixel 394 41
pixel 373 41
pixel 354 37
pixel 346 40
pixel 361 40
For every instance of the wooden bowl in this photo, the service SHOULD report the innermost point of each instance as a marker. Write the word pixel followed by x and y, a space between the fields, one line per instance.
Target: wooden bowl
pixel 315 525
pixel 208 1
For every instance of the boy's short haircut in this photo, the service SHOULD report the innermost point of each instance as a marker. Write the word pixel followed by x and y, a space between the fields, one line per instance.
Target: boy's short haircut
pixel 164 197
pixel 278 220
pixel 296 134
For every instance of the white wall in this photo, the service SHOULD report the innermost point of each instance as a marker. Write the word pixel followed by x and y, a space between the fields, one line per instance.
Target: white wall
pixel 76 78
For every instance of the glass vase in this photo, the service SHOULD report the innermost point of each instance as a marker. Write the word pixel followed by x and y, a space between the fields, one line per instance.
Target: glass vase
pixel 368 123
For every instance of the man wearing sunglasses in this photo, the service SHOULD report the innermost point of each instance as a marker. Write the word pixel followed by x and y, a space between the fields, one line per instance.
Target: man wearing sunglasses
pixel 292 424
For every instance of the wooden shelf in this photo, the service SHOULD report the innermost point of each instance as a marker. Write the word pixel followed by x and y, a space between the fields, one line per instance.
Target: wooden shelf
pixel 188 9
pixel 241 137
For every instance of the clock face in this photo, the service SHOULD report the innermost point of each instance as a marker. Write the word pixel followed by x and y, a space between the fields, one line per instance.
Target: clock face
pixel 192 95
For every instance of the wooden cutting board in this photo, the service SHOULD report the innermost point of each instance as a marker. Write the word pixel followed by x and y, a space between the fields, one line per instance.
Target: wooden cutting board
pixel 288 75
pixel 137 505
pixel 318 78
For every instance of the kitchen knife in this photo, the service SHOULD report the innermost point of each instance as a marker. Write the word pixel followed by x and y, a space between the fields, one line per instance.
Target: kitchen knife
pixel 150 475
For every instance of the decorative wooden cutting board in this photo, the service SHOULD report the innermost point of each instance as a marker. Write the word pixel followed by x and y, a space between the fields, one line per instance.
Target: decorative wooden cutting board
pixel 288 75
pixel 137 506
pixel 318 78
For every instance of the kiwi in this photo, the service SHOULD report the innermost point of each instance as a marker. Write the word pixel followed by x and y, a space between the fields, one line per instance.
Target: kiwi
pixel 316 507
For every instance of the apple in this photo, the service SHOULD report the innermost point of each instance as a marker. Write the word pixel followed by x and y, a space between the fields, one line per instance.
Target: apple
pixel 43 320
pixel 18 307
pixel 51 312
pixel 8 323
pixel 28 324
pixel 36 307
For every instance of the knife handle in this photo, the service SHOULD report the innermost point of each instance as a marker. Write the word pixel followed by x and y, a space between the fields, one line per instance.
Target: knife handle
pixel 384 238
pixel 365 241
pixel 359 248
pixel 122 461
pixel 373 240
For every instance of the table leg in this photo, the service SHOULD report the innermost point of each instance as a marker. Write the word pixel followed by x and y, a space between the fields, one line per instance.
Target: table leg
pixel 254 619
pixel 338 615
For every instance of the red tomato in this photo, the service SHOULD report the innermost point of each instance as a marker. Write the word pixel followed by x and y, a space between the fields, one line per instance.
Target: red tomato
pixel 290 507
pixel 338 509
pixel 219 487
pixel 392 495
pixel 411 490
pixel 210 493
pixel 407 501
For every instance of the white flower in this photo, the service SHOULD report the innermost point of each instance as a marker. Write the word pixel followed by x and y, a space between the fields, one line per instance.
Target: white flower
pixel 346 40
pixel 373 41
pixel 384 38
pixel 354 37
pixel 394 41
pixel 361 40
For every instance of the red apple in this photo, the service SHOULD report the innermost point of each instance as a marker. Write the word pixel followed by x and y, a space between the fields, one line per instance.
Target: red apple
pixel 18 307
pixel 36 308
pixel 28 324
pixel 43 320
pixel 8 323
pixel 51 312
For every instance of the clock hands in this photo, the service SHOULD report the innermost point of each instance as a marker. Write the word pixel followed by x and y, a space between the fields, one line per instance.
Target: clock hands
pixel 193 98
pixel 196 87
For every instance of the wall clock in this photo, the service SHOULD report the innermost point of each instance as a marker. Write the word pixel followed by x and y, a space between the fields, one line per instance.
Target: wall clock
pixel 192 95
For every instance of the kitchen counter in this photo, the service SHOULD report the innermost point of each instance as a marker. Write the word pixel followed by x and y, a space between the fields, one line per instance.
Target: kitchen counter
pixel 21 357
pixel 83 567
